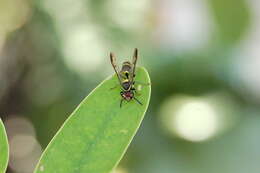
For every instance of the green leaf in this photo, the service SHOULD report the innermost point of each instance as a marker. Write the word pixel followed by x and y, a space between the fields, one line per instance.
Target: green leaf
pixel 96 135
pixel 4 150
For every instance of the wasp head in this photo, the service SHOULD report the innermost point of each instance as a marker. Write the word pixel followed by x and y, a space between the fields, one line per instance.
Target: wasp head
pixel 127 95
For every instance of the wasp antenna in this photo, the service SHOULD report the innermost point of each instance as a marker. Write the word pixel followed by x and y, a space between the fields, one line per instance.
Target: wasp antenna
pixel 135 52
pixel 135 56
pixel 112 57
pixel 113 62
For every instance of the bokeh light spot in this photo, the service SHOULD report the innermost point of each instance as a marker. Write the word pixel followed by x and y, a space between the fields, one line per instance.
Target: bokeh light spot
pixel 13 14
pixel 183 24
pixel 198 118
pixel 83 49
pixel 195 121
pixel 134 13
pixel 247 62
pixel 18 125
pixel 25 150
pixel 26 141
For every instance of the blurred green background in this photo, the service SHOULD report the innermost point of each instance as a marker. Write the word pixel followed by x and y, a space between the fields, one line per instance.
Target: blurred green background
pixel 202 56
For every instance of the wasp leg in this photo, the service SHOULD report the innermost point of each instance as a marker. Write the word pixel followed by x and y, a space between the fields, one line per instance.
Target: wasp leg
pixel 138 101
pixel 121 102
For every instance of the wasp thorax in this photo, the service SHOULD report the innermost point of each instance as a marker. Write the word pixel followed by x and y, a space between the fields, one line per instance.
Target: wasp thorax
pixel 126 85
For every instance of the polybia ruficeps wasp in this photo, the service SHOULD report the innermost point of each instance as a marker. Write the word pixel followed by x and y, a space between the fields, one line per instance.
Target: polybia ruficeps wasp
pixel 126 77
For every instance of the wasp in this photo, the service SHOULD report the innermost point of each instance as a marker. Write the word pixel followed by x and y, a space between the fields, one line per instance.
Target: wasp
pixel 126 77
